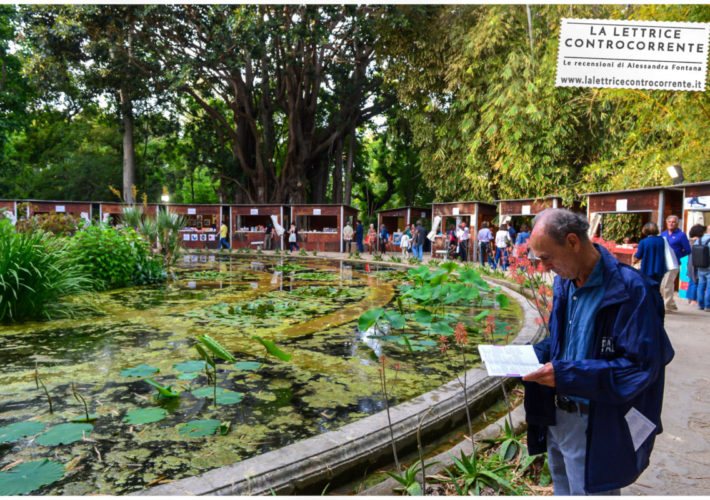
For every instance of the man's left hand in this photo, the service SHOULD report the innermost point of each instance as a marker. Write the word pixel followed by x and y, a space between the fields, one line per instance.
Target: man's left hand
pixel 543 376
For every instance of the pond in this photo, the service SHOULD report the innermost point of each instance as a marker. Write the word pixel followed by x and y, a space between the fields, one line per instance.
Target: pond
pixel 309 308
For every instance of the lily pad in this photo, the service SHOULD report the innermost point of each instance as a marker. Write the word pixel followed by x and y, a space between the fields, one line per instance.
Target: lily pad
pixel 206 392
pixel 197 428
pixel 188 376
pixel 229 398
pixel 83 418
pixel 144 416
pixel 247 365
pixel 388 338
pixel 64 434
pixel 190 366
pixel 141 370
pixel 427 343
pixel 18 430
pixel 29 476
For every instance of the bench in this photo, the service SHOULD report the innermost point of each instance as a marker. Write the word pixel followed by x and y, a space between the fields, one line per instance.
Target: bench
pixel 445 253
pixel 257 243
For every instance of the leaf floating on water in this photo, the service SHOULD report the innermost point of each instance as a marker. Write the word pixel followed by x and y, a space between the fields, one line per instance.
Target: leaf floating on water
pixel 19 430
pixel 188 376
pixel 141 370
pixel 29 476
pixel 369 318
pixel 272 349
pixel 83 418
pixel 190 366
pixel 247 365
pixel 229 398
pixel 206 392
pixel 64 434
pixel 197 428
pixel 145 416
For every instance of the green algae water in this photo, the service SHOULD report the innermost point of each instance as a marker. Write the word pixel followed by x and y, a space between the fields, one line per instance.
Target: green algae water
pixel 309 308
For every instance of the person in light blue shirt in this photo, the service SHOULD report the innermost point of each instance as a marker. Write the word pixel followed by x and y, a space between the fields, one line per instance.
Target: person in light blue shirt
pixel 652 253
pixel 681 246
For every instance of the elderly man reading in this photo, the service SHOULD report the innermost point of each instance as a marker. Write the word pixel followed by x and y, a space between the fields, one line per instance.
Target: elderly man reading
pixel 595 405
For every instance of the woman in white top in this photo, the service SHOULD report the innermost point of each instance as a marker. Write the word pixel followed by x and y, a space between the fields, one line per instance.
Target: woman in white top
pixel 503 241
pixel 404 244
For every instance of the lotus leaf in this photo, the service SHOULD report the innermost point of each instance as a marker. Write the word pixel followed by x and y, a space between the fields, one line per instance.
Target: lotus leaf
pixel 369 318
pixel 84 418
pixel 19 430
pixel 197 428
pixel 188 376
pixel 481 315
pixel 206 392
pixel 229 397
pixel 163 390
pixel 190 366
pixel 29 476
pixel 423 317
pixel 441 328
pixel 427 343
pixel 247 365
pixel 141 370
pixel 216 348
pixel 272 349
pixel 64 434
pixel 395 319
pixel 144 416
pixel 502 300
pixel 389 338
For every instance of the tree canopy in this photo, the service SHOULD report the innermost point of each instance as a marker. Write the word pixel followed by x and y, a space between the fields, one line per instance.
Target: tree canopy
pixel 377 106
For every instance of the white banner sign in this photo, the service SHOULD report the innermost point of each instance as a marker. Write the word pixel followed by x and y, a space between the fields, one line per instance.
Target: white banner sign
pixel 455 211
pixel 525 210
pixel 697 203
pixel 59 208
pixel 254 211
pixel 191 211
pixel 622 205
pixel 633 54
pixel 316 211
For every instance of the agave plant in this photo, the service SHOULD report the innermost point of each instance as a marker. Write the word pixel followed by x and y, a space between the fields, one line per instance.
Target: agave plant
pixel 169 226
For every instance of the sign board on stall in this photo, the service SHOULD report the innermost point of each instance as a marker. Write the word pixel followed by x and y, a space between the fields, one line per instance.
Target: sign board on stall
pixel 316 211
pixel 191 211
pixel 60 208
pixel 697 202
pixel 622 205
pixel 203 237
pixel 423 215
pixel 186 237
pixel 254 211
pixel 525 210
pixel 455 211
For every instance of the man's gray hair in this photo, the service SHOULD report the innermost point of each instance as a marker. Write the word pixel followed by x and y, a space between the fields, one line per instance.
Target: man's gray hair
pixel 559 222
pixel 677 219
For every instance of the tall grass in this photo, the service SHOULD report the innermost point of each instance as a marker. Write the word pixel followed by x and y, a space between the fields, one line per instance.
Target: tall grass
pixel 36 270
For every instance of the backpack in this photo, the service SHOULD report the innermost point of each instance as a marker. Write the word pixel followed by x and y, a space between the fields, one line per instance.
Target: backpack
pixel 700 255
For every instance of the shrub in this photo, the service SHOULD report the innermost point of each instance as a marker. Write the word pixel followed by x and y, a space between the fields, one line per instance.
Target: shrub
pixel 36 270
pixel 115 257
pixel 59 224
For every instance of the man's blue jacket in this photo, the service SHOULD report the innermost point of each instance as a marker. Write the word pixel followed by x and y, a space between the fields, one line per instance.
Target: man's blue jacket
pixel 625 370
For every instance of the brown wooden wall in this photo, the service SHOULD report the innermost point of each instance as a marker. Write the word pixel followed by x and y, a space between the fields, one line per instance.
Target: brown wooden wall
pixel 9 205
pixel 70 207
pixel 515 207
pixel 117 208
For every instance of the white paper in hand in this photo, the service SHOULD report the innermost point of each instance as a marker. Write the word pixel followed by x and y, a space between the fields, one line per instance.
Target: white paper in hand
pixel 509 360
pixel 639 426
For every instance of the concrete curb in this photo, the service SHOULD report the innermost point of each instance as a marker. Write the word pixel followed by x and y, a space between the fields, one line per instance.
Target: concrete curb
pixel 319 459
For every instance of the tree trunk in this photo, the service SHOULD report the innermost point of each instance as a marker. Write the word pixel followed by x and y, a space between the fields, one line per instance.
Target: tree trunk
pixel 337 196
pixel 129 165
pixel 348 194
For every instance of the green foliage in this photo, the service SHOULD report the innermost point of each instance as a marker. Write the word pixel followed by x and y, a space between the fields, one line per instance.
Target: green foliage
pixel 145 416
pixel 199 428
pixel 110 255
pixel 18 430
pixel 58 224
pixel 272 349
pixel 470 475
pixel 303 252
pixel 27 477
pixel 168 227
pixel 141 370
pixel 408 479
pixel 616 227
pixel 64 434
pixel 36 271
pixel 163 391
pixel 229 397
pixel 215 347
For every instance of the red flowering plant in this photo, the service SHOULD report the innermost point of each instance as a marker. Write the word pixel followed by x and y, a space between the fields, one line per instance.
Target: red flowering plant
pixel 532 275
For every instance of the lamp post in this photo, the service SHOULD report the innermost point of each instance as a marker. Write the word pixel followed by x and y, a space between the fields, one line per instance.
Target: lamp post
pixel 676 173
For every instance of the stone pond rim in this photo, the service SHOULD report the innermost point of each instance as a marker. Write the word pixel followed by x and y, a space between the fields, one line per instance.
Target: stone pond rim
pixel 317 460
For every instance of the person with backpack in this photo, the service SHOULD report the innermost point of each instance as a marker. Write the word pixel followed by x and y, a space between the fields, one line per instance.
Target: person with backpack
pixel 696 232
pixel 384 239
pixel 700 257
pixel 418 241
pixel 652 254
